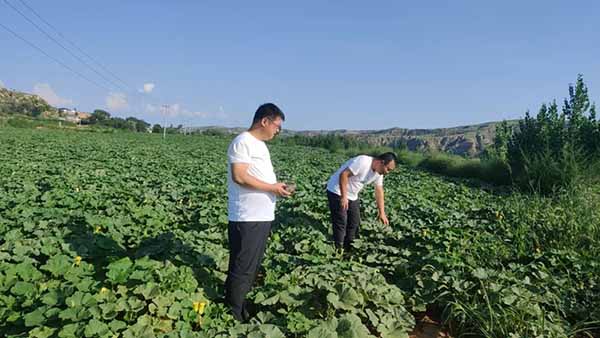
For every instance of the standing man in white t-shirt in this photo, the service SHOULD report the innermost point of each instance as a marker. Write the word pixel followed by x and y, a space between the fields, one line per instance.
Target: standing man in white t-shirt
pixel 342 192
pixel 252 189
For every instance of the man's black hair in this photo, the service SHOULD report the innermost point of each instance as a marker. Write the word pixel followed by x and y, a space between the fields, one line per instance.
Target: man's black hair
pixel 268 110
pixel 387 158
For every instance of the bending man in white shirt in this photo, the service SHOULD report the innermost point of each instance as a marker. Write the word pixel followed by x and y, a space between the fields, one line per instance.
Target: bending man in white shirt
pixel 342 192
pixel 252 189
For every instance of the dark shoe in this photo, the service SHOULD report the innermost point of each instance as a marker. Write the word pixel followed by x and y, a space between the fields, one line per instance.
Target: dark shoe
pixel 245 315
pixel 238 316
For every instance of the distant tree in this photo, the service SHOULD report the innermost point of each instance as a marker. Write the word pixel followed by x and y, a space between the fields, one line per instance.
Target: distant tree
pixel 156 128
pixel 214 132
pixel 499 148
pixel 117 123
pixel 99 116
pixel 174 130
pixel 131 122
pixel 35 109
pixel 137 125
pixel 142 126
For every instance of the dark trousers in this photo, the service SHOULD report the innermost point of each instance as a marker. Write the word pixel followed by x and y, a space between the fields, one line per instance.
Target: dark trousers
pixel 345 222
pixel 247 243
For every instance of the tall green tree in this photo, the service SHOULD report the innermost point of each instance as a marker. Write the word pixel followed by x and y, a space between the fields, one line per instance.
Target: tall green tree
pixel 555 150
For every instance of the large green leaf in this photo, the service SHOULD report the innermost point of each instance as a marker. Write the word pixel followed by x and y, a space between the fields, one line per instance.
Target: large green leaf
pixel 35 318
pixel 119 271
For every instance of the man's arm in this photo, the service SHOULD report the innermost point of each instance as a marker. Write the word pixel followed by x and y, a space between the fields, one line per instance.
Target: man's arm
pixel 240 175
pixel 344 175
pixel 381 204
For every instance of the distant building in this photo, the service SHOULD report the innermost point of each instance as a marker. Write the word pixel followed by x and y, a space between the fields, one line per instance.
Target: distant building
pixel 64 111
pixel 72 115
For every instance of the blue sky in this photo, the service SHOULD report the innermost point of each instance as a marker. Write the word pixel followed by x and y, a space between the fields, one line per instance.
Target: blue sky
pixel 328 65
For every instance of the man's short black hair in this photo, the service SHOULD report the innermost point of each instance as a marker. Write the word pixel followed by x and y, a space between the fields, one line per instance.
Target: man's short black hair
pixel 387 158
pixel 268 110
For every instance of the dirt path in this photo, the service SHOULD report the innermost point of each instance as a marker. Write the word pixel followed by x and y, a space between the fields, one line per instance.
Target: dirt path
pixel 428 328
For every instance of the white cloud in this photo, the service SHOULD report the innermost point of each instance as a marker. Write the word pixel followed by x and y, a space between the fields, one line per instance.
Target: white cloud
pixel 47 93
pixel 116 101
pixel 148 88
pixel 2 84
pixel 174 110
pixel 177 110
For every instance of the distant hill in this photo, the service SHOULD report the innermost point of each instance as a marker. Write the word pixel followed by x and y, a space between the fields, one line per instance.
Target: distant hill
pixel 468 140
pixel 16 105
pixel 13 102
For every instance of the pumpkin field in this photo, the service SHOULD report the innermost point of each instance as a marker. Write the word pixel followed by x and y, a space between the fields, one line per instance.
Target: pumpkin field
pixel 125 235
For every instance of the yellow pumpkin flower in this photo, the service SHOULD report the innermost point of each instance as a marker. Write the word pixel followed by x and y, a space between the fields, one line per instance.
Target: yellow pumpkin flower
pixel 77 260
pixel 199 307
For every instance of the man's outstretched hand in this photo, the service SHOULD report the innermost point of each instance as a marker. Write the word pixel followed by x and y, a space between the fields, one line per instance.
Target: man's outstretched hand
pixel 383 218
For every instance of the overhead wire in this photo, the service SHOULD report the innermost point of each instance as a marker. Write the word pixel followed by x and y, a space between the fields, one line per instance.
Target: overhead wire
pixel 40 29
pixel 63 64
pixel 99 64
pixel 53 58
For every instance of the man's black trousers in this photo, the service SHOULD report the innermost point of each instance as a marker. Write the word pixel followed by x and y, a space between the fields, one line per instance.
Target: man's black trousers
pixel 345 222
pixel 247 243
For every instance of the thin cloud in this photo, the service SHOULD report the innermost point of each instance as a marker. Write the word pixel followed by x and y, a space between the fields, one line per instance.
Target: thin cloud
pixel 116 101
pixel 174 110
pixel 200 114
pixel 46 92
pixel 221 114
pixel 150 108
pixel 177 110
pixel 2 84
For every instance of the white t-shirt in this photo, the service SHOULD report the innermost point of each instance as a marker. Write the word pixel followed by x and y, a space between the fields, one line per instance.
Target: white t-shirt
pixel 360 166
pixel 246 204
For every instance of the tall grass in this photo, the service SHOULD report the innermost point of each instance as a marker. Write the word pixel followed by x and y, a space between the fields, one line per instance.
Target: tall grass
pixel 410 158
pixel 548 173
pixel 550 240
pixel 491 170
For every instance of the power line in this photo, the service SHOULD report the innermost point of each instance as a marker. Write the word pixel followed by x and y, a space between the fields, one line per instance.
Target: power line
pixel 63 64
pixel 73 44
pixel 53 58
pixel 62 46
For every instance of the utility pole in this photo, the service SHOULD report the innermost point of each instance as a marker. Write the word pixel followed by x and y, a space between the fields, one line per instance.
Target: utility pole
pixel 165 111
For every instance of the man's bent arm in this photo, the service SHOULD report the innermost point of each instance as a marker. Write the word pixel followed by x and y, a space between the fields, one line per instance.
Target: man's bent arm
pixel 344 175
pixel 240 175
pixel 380 199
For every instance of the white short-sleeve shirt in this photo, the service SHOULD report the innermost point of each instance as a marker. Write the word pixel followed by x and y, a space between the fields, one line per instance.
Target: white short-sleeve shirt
pixel 362 174
pixel 246 204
